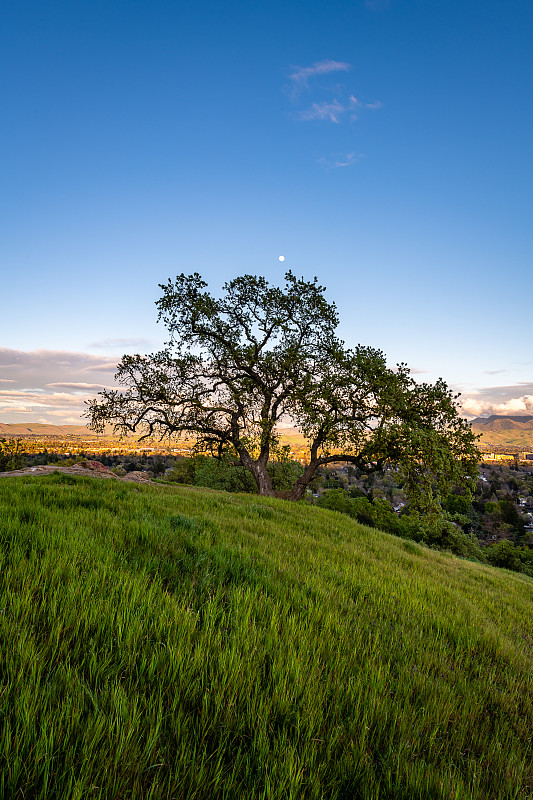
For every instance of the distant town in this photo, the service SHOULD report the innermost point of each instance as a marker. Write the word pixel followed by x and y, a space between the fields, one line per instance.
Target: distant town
pixel 71 440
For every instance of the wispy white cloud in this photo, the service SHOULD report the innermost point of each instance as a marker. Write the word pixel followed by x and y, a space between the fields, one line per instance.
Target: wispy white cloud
pixel 335 102
pixel 90 387
pixel 101 366
pixel 329 111
pixel 339 160
pixel 301 75
pixel 337 111
pixel 28 399
pixel 377 104
pixel 15 360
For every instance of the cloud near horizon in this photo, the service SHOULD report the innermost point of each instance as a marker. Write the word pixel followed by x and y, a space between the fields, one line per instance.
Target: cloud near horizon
pixel 517 406
pixel 52 386
pixel 514 400
pixel 29 377
pixel 93 387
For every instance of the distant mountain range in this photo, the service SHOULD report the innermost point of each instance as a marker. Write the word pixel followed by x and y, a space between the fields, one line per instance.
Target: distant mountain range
pixel 496 423
pixel 515 433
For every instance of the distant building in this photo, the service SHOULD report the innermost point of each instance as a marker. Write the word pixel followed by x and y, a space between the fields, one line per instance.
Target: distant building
pixel 507 456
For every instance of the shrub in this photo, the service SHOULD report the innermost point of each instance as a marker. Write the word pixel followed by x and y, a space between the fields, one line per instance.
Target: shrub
pixel 11 455
pixel 504 554
pixel 447 535
pixel 338 500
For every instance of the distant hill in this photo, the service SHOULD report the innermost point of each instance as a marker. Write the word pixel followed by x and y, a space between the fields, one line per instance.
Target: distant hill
pixel 42 429
pixel 509 432
pixel 514 433
pixel 496 423
pixel 12 430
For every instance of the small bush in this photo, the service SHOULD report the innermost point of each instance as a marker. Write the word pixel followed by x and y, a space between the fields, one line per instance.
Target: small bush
pixel 446 535
pixel 504 554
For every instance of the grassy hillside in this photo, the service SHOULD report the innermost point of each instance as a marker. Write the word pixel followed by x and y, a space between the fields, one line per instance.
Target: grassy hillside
pixel 162 642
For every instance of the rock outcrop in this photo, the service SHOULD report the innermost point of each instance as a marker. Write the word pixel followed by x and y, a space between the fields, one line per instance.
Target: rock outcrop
pixel 91 469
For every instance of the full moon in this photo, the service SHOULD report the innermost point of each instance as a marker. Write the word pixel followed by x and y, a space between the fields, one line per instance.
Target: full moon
pixel 282 258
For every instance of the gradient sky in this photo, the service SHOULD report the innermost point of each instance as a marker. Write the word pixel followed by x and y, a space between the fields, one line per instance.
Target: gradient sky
pixel 383 146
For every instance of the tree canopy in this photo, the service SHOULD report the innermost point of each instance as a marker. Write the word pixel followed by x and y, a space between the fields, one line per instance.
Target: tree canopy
pixel 237 366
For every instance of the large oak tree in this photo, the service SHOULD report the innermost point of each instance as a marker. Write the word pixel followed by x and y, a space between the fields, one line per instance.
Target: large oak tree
pixel 238 365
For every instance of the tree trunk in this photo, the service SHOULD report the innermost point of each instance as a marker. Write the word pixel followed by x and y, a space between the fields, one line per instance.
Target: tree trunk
pixel 263 480
pixel 300 485
pixel 258 470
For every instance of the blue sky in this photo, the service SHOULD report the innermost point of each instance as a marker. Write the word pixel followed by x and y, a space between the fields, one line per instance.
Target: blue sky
pixel 384 146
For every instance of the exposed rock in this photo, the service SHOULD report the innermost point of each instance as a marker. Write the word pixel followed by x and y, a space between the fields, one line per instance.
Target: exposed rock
pixel 77 469
pixel 91 472
pixel 97 465
pixel 91 469
pixel 137 477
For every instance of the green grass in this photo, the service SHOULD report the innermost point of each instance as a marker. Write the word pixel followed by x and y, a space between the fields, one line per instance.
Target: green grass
pixel 166 642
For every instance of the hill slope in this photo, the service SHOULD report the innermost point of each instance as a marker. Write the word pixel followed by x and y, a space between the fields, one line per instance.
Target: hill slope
pixel 498 423
pixel 507 432
pixel 163 642
pixel 41 429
